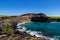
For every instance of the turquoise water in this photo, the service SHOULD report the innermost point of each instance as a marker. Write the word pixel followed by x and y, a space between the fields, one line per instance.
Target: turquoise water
pixel 48 29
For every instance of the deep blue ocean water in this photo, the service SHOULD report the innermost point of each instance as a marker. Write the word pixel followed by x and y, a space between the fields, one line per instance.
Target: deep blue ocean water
pixel 48 29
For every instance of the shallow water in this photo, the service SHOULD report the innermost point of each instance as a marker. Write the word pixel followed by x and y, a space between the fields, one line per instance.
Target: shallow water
pixel 51 29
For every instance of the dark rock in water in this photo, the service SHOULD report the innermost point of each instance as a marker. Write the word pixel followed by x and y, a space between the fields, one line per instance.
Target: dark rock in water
pixel 40 18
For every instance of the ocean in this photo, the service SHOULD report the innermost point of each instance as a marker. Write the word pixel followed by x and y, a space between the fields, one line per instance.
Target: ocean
pixel 51 31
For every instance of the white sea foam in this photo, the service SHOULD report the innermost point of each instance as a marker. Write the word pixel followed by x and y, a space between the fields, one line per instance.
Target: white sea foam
pixel 33 33
pixel 21 28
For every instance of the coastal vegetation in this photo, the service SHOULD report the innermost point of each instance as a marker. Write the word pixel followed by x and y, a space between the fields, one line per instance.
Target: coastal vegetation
pixel 55 18
pixel 9 30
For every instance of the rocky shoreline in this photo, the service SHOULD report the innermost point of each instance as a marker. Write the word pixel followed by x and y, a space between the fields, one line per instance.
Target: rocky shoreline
pixel 20 36
pixel 12 21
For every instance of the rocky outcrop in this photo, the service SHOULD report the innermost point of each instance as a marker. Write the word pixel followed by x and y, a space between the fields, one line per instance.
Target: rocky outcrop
pixel 30 17
pixel 40 18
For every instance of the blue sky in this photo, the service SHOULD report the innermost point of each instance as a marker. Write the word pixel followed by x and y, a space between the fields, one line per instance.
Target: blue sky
pixel 18 7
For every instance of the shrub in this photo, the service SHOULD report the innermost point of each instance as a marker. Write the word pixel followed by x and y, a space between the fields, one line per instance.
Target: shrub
pixel 9 30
